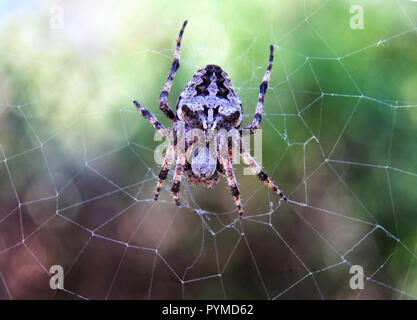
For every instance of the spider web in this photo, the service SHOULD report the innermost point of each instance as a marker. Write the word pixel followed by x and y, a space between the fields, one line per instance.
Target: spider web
pixel 77 161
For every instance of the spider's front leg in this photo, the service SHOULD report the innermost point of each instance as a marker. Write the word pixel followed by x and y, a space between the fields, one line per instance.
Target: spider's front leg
pixel 179 147
pixel 169 156
pixel 257 118
pixel 163 97
pixel 257 169
pixel 179 169
pixel 225 160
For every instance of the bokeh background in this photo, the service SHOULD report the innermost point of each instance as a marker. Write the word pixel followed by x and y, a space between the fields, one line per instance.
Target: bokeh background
pixel 77 168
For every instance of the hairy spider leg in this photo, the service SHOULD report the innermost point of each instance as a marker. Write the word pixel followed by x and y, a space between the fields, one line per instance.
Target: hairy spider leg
pixel 169 156
pixel 179 169
pixel 256 168
pixel 226 162
pixel 152 119
pixel 257 118
pixel 163 97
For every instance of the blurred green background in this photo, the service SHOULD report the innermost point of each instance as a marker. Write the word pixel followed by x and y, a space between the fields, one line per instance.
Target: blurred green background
pixel 77 168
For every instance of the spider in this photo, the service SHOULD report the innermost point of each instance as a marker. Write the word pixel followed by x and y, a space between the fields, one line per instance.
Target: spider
pixel 208 103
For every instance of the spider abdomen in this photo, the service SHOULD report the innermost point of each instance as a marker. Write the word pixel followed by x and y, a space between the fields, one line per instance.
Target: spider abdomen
pixel 209 101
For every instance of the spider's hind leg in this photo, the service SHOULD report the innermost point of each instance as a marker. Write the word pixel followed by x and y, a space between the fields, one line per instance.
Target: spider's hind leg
pixel 163 97
pixel 257 118
pixel 152 119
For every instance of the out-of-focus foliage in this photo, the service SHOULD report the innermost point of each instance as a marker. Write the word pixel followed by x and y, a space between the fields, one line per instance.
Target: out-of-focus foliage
pixel 338 136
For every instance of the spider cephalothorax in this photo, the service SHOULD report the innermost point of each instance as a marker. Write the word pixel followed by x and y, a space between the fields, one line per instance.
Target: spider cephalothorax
pixel 205 126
